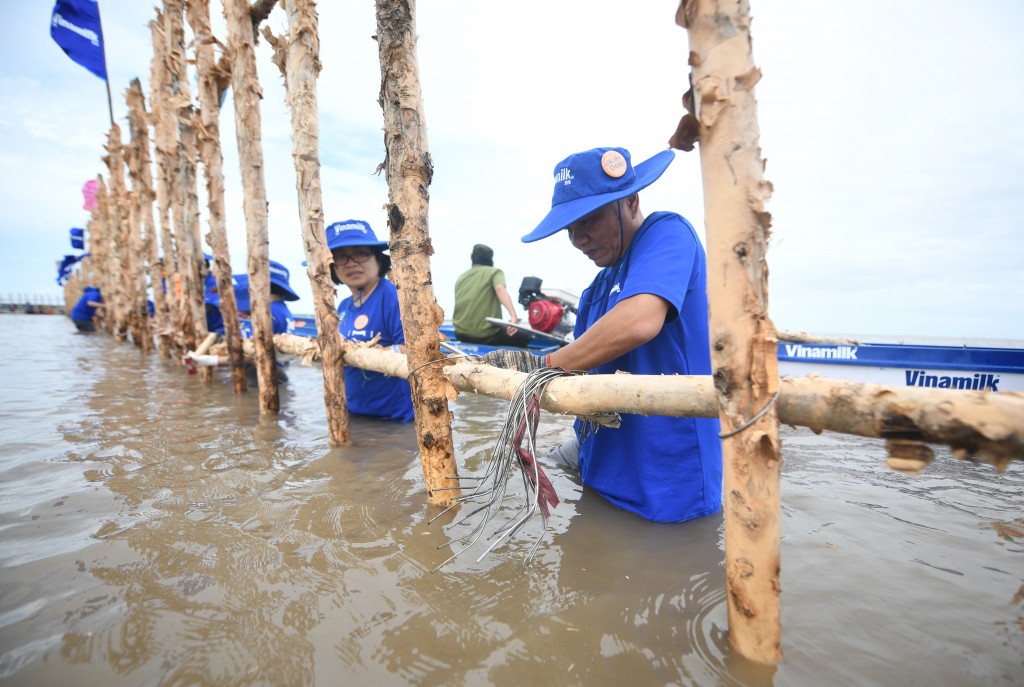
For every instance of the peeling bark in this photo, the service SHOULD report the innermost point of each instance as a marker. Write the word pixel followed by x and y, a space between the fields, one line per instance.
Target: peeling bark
pixel 102 252
pixel 743 337
pixel 408 169
pixel 117 300
pixel 299 62
pixel 165 142
pixel 186 200
pixel 144 241
pixel 207 127
pixel 247 95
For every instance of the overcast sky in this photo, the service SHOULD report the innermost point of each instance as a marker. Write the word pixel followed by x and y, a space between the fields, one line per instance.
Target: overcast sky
pixel 892 131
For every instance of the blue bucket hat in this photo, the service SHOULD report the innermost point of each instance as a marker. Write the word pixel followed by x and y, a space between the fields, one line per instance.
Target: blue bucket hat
pixel 352 232
pixel 279 278
pixel 242 292
pixel 589 180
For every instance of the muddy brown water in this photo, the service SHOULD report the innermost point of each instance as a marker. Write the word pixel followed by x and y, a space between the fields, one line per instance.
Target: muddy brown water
pixel 156 531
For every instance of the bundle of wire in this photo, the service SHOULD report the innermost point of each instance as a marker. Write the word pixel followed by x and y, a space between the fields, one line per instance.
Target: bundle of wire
pixel 515 450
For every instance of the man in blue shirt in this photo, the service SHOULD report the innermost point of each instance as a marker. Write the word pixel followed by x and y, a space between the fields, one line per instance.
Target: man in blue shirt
pixel 85 309
pixel 646 312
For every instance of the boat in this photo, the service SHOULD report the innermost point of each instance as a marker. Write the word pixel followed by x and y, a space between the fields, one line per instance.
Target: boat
pixel 968 364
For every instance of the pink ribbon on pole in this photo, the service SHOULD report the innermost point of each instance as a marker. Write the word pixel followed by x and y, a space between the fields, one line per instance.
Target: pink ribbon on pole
pixel 89 193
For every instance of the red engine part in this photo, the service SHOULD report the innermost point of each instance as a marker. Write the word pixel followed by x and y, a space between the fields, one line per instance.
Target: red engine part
pixel 545 315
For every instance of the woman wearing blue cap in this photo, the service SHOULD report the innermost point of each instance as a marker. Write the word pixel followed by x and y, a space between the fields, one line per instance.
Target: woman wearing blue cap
pixel 646 312
pixel 371 310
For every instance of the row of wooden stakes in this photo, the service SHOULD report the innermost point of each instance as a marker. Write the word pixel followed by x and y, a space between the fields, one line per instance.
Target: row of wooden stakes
pixel 129 248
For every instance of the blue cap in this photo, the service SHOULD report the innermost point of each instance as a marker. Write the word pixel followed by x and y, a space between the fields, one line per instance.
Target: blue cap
pixel 589 180
pixel 279 278
pixel 352 232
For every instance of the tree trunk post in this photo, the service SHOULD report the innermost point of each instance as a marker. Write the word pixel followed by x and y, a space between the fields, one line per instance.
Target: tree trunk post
pixel 166 145
pixel 104 254
pixel 247 95
pixel 743 338
pixel 207 127
pixel 408 169
pixel 186 202
pixel 117 233
pixel 161 311
pixel 298 57
pixel 140 169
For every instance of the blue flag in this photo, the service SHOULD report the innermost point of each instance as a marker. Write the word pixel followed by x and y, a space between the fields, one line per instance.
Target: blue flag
pixel 75 26
pixel 77 238
pixel 64 268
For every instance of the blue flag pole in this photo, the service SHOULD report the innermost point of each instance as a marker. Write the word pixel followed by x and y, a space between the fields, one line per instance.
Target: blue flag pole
pixel 103 48
pixel 75 26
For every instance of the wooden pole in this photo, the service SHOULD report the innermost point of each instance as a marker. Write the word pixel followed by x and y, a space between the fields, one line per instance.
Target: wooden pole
pixel 165 141
pixel 103 247
pixel 140 171
pixel 186 202
pixel 134 279
pixel 117 235
pixel 743 337
pixel 207 127
pixel 408 169
pixel 298 58
pixel 141 119
pixel 248 128
pixel 142 181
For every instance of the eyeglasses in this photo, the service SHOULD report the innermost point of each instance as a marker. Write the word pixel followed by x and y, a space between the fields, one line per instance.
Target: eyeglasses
pixel 359 256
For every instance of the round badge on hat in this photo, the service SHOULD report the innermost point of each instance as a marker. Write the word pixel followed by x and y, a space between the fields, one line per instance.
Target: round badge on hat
pixel 613 164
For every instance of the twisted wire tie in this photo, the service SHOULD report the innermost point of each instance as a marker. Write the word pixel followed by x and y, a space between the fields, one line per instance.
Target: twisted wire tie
pixel 748 423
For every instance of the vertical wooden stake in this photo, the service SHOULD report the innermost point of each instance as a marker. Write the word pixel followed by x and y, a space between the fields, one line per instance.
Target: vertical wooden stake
pixel 143 237
pixel 186 201
pixel 207 127
pixel 247 95
pixel 409 169
pixel 298 57
pixel 117 234
pixel 161 311
pixel 100 235
pixel 743 338
pixel 165 142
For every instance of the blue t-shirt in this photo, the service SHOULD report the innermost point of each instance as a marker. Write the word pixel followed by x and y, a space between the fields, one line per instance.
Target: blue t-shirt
pixel 666 469
pixel 82 310
pixel 214 319
pixel 282 321
pixel 372 393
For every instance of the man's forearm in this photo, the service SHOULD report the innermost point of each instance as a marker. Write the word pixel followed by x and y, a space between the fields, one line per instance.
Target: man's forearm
pixel 506 300
pixel 631 323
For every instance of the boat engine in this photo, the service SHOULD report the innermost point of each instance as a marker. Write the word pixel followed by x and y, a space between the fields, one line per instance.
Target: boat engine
pixel 548 312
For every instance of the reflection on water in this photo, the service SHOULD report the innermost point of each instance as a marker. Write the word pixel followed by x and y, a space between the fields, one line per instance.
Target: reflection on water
pixel 157 531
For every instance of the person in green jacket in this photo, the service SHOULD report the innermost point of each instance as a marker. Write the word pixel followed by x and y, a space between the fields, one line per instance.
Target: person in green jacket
pixel 479 293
